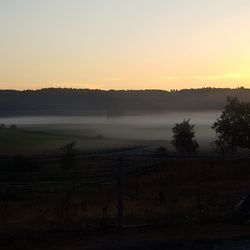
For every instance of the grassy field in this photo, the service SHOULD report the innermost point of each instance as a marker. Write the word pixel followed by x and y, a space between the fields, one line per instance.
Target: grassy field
pixel 45 135
pixel 30 140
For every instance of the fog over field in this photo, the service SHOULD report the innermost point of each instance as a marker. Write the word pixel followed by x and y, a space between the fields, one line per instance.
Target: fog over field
pixel 142 127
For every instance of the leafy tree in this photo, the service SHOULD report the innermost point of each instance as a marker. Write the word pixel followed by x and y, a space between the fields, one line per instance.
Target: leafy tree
pixel 69 155
pixel 233 126
pixel 183 138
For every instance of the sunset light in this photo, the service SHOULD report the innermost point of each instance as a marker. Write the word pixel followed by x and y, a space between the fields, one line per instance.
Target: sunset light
pixel 124 44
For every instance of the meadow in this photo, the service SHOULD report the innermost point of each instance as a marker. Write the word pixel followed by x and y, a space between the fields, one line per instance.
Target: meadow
pixel 46 135
pixel 47 140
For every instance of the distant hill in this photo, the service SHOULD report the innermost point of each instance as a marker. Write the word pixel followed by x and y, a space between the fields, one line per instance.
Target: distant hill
pixel 60 101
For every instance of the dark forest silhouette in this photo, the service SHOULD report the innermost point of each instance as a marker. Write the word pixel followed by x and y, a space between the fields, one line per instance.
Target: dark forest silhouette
pixel 59 101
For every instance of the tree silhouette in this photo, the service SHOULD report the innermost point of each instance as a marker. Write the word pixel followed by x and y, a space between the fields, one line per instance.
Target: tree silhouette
pixel 183 138
pixel 233 126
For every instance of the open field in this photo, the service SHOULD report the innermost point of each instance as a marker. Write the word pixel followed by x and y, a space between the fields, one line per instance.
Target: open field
pixel 38 140
pixel 44 135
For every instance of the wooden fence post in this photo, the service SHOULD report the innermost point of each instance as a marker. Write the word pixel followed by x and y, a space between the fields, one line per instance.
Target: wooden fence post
pixel 120 193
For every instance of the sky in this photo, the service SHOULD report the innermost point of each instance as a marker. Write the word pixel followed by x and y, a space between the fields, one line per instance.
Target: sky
pixel 124 44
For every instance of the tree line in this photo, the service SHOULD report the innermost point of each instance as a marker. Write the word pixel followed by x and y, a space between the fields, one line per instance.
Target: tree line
pixel 62 102
pixel 232 130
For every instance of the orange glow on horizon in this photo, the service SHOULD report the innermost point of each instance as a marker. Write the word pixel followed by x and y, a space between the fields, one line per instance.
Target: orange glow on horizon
pixel 127 44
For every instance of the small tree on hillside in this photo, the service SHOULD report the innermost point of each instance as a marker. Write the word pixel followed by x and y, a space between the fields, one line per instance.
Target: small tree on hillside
pixel 183 138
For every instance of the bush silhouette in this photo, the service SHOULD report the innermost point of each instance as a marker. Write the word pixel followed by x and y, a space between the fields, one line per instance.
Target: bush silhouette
pixel 69 156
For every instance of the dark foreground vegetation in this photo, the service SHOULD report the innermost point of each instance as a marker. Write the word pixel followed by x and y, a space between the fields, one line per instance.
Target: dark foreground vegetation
pixel 159 195
pixel 69 102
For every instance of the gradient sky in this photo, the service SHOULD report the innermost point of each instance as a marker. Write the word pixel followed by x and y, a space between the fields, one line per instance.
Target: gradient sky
pixel 124 44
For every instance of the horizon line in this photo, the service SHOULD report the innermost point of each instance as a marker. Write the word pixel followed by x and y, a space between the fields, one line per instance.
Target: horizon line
pixel 107 90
